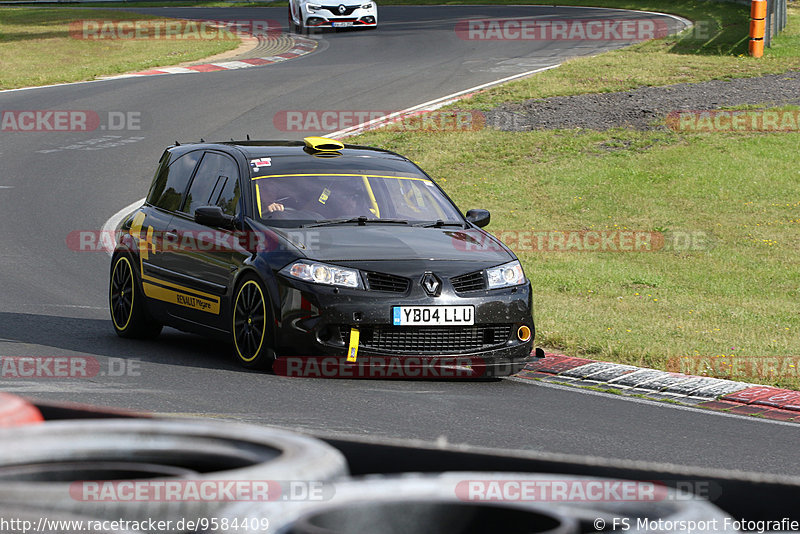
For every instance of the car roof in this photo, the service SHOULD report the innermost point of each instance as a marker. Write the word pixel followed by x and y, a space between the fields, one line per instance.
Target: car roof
pixel 276 148
pixel 298 156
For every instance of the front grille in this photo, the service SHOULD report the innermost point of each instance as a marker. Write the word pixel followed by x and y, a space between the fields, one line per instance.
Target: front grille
pixel 429 339
pixel 348 10
pixel 387 282
pixel 468 282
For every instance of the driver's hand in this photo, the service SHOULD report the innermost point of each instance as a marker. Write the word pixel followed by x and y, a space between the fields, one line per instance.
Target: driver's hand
pixel 275 207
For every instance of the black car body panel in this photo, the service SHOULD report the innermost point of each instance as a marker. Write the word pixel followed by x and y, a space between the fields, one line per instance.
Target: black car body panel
pixel 189 273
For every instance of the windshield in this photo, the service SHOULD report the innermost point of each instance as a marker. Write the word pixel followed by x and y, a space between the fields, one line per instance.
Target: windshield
pixel 294 200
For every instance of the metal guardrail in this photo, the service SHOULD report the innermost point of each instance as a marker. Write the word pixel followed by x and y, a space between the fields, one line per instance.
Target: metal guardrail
pixel 777 17
pixel 767 19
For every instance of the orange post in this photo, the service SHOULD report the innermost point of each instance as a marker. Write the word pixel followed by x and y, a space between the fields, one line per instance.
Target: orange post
pixel 758 15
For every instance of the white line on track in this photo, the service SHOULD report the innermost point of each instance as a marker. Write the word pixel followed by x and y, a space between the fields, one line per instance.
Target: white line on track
pixel 111 224
pixel 432 105
pixel 687 23
pixel 638 400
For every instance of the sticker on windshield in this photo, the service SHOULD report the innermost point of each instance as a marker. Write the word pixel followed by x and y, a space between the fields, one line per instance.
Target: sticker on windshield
pixel 256 164
pixel 323 198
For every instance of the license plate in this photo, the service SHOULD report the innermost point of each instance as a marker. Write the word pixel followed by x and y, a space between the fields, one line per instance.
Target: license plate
pixel 433 315
pixel 342 24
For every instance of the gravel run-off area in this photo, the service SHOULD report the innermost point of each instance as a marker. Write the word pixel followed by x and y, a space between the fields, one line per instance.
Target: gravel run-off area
pixel 645 108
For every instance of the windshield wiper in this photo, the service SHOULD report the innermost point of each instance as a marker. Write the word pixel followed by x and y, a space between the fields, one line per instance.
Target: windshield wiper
pixel 439 223
pixel 362 221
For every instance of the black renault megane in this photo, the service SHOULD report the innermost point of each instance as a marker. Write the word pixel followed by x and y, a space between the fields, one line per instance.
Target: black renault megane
pixel 317 248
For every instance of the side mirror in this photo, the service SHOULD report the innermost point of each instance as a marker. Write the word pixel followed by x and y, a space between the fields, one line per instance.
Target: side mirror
pixel 479 218
pixel 214 216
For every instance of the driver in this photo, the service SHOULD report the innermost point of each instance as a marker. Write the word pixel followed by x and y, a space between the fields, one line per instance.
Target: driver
pixel 270 191
pixel 275 206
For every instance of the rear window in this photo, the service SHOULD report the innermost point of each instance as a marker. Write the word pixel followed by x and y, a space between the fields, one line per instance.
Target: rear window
pixel 170 184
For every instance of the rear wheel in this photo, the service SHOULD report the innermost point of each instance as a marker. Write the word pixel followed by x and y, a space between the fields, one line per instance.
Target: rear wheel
pixel 128 313
pixel 250 326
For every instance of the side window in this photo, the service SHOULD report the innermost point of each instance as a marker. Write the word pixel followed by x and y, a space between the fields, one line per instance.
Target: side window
pixel 215 184
pixel 228 198
pixel 171 182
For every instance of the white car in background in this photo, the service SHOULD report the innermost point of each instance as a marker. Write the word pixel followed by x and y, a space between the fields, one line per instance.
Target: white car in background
pixel 305 15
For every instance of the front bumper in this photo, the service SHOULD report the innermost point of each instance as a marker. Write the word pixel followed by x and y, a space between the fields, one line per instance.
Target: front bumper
pixel 317 321
pixel 328 17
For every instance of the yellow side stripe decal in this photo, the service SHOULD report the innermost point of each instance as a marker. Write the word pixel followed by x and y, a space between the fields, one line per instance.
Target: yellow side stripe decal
pixel 181 298
pixel 185 289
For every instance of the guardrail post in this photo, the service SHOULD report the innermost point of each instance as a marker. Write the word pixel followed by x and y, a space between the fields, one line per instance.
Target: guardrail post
pixel 758 15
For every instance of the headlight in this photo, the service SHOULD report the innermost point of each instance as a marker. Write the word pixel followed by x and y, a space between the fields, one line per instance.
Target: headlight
pixel 313 7
pixel 506 275
pixel 366 6
pixel 320 273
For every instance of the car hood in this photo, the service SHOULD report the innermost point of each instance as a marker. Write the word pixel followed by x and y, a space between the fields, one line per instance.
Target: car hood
pixel 390 242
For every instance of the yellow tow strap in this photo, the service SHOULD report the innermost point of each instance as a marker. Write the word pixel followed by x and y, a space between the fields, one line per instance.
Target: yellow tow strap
pixel 352 351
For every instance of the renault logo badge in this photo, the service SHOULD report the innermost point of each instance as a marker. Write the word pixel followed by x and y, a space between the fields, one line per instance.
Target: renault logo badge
pixel 431 284
pixel 342 9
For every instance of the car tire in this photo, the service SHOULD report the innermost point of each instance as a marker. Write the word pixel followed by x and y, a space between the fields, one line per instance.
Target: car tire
pixel 250 325
pixel 126 302
pixel 292 25
pixel 437 503
pixel 53 466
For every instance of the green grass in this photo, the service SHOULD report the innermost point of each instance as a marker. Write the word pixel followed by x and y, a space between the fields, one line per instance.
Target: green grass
pixel 175 3
pixel 715 49
pixel 36 48
pixel 736 196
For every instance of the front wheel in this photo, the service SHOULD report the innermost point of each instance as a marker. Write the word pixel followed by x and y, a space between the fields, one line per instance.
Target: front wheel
pixel 125 301
pixel 292 25
pixel 250 327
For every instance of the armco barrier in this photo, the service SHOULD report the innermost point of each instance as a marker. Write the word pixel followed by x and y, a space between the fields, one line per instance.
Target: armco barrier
pixel 767 19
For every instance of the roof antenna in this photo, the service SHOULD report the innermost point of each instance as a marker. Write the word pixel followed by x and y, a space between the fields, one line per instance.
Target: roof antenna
pixel 232 141
pixel 177 143
pixel 202 140
pixel 248 137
